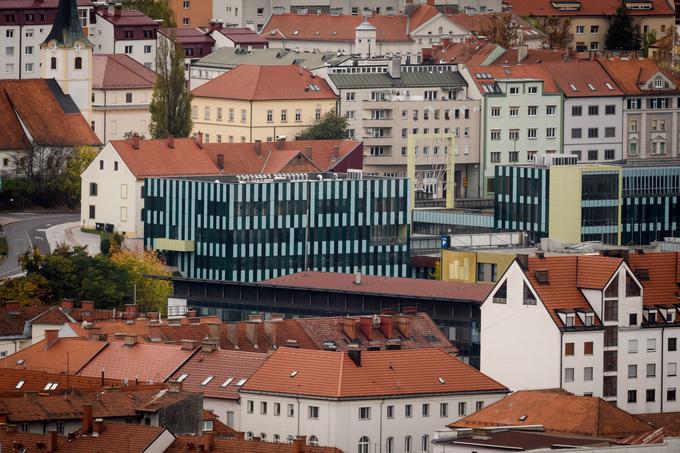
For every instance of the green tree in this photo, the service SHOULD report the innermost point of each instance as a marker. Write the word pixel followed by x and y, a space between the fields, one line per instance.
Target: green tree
pixel 155 9
pixel 330 127
pixel 622 35
pixel 501 29
pixel 436 273
pixel 648 39
pixel 68 183
pixel 152 294
pixel 558 33
pixel 171 101
pixel 28 289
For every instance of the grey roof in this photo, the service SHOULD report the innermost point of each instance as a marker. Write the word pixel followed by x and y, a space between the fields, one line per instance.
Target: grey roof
pixel 67 29
pixel 408 79
pixel 230 57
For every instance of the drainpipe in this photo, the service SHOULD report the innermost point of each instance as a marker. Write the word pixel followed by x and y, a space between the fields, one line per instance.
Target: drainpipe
pixel 561 354
pixel 663 343
pixel 380 436
pixel 251 136
pixel 21 46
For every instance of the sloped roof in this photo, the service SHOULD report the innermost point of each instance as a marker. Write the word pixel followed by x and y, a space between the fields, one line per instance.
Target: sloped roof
pixel 120 71
pixel 33 4
pixel 67 29
pixel 230 57
pixel 325 27
pixel 243 36
pixel 265 83
pixel 536 72
pixel 477 23
pixel 587 76
pixel 188 35
pixel 669 421
pixel 663 284
pixel 110 327
pixel 420 15
pixel 221 365
pixel 155 158
pixel 534 56
pixel 543 8
pixel 66 354
pixel 631 74
pixel 13 320
pixel 50 116
pixel 127 17
pixel 35 381
pixel 559 412
pixel 394 286
pixel 147 362
pixel 470 52
pixel 408 79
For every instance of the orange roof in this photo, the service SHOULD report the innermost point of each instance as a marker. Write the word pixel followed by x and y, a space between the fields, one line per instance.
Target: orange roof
pixel 395 286
pixel 669 421
pixel 66 354
pixel 324 27
pixel 266 83
pixel 630 75
pixel 587 76
pixel 420 15
pixel 477 23
pixel 120 71
pixel 472 52
pixel 223 366
pixel 544 8
pixel 111 327
pixel 536 72
pixel 382 373
pixel 559 412
pixel 146 362
pixel 156 158
pixel 534 56
pixel 663 284
pixel 35 381
pixel 13 320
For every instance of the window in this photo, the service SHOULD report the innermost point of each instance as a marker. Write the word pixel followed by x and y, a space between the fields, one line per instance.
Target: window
pixel 670 394
pixel 609 131
pixel 576 110
pixel 93 189
pixel 610 110
pixel 659 125
pixel 514 112
pixel 364 442
pixel 651 369
pixel 479 405
pixel 568 375
pixel 298 115
pixel 194 112
pixel 550 132
pixel 651 345
pixel 60 427
pixel 632 371
pixel 317 114
pixel 550 110
pixel 588 373
pixel 128 50
pixel 244 115
pixel 390 411
pixel 632 396
pixel 672 369
pixel 128 98
pixel 277 409
pixel 495 157
pixel 425 411
pixel 609 154
pixel 569 349
pixel 270 116
pixel 425 443
pixel 593 110
pixel 658 83
pixel 632 148
pixel 593 154
pixel 408 444
pixel 495 112
pixel 532 90
pixel 651 395
pixel 593 132
pixel 610 361
pixel 514 90
pixel 92 211
pixel 313 412
pixel 284 116
pixel 231 114
pixel 250 406
pixel 462 409
pixel 580 29
pixel 532 110
pixel 263 407
pixel 290 410
pixel 588 348
pixel 672 344
pixel 364 413
pixel 206 113
pixel 609 386
pixel 443 409
pixel 513 134
pixel 10 34
pixel 408 410
pixel 576 133
pixel 147 49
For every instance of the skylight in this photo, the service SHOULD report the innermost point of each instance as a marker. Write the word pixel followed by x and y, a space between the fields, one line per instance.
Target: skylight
pixel 227 382
pixel 608 85
pixel 573 87
pixel 441 380
pixel 241 382
pixel 294 373
pixel 182 377
pixel 207 380
pixel 592 88
pixel 49 386
pixel 296 32
pixel 20 384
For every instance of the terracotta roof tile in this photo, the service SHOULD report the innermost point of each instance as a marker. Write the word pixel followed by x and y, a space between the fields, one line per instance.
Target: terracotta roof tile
pixel 144 361
pixel 13 321
pixel 110 327
pixel 222 365
pixel 35 381
pixel 324 27
pixel 559 412
pixel 219 428
pixel 188 35
pixel 127 17
pixel 395 286
pixel 243 36
pixel 477 23
pixel 66 354
pixel 522 72
pixel 663 285
pixel 382 373
pixel 265 83
pixel 120 71
pixel 534 56
pixel 587 76
pixel 669 421
pixel 631 74
pixel 420 15
pixel 544 8
pixel 473 52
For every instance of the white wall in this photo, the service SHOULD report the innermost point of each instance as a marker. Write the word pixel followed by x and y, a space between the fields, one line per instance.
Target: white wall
pixel 601 121
pixel 113 116
pixel 579 361
pixel 220 407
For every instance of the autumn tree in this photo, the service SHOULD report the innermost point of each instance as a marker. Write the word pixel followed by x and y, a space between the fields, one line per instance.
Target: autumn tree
pixel 558 33
pixel 501 29
pixel 151 294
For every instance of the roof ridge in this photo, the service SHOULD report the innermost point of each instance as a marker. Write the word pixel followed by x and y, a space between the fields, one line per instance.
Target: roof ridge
pixel 340 374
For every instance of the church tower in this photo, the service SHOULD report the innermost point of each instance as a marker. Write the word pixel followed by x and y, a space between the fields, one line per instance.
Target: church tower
pixel 66 56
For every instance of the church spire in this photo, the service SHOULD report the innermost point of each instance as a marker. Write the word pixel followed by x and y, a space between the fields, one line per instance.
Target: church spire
pixel 67 28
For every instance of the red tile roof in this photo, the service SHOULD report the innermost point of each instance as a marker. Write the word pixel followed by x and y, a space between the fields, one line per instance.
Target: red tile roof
pixel 630 75
pixel 473 52
pixel 14 321
pixel 559 412
pixel 39 103
pixel 219 428
pixel 33 4
pixel 110 328
pixel 222 365
pixel 587 76
pixel 35 381
pixel 119 71
pixel 534 56
pixel 536 72
pixel 478 23
pixel 669 421
pixel 420 15
pixel 127 17
pixel 394 286
pixel 188 35
pixel 265 83
pixel 146 362
pixel 663 284
pixel 324 27
pixel 544 8
pixel 243 36
pixel 66 354
pixel 382 373
pixel 155 158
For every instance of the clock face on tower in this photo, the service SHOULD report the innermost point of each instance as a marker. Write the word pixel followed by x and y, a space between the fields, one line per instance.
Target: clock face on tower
pixel 53 46
pixel 78 47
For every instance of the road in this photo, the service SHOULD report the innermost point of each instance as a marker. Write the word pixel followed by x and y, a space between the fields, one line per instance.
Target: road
pixel 28 231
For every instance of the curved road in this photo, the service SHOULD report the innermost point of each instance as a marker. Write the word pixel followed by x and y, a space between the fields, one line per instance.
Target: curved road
pixel 26 231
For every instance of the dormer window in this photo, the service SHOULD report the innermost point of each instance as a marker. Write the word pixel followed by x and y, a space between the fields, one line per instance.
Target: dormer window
pixel 569 321
pixel 589 319
pixel 658 83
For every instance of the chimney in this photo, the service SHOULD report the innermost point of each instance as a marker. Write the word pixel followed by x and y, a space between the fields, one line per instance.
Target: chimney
pixel 220 162
pixel 336 152
pixel 216 24
pixel 366 326
pixel 171 141
pixel 130 311
pixel 393 344
pixel 270 331
pixel 208 441
pixel 51 335
pixel 402 325
pixel 98 426
pixel 258 147
pixel 394 68
pixel 87 418
pixel 522 53
pixel 308 152
pixel 87 305
pixel 349 327
pixel 299 444
pixel 117 9
pixel 188 345
pixel 66 304
pixel 130 340
pixel 209 345
pixel 154 331
pixel 386 326
pixel 251 332
pixel 135 141
pixel 357 278
pixel 12 305
pixel 354 353
pixel 232 333
pixel 280 142
pixel 199 139
pixel 174 386
pixel 214 331
pixel 51 441
pixel 256 318
pixel 154 316
pixel 110 11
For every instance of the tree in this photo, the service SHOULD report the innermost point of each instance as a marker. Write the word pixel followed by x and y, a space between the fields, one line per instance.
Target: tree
pixel 622 35
pixel 330 127
pixel 648 39
pixel 28 289
pixel 152 294
pixel 68 184
pixel 436 273
pixel 171 101
pixel 558 33
pixel 155 9
pixel 501 29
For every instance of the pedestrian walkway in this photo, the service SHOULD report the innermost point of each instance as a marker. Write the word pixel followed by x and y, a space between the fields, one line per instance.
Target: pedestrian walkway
pixel 71 235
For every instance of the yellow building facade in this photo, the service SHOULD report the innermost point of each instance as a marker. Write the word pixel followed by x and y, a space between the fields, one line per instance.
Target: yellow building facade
pixel 474 267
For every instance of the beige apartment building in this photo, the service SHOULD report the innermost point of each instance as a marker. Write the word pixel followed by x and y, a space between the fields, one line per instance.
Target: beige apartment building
pixel 387 104
pixel 252 103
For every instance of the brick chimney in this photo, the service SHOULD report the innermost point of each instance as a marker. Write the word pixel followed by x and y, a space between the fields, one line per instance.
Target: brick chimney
pixel 298 445
pixel 174 386
pixel 366 326
pixel 270 328
pixel 171 141
pixel 188 345
pixel 214 331
pixel 87 305
pixel 280 142
pixel 130 311
pixel 238 435
pixel 258 147
pixel 232 334
pixel 251 332
pixel 386 326
pixel 98 426
pixel 51 441
pixel 51 335
pixel 402 325
pixel 216 24
pixel 66 304
pixel 154 331
pixel 220 162
pixel 199 139
pixel 349 327
pixel 336 151
pixel 87 418
pixel 208 441
pixel 209 345
pixel 130 340
pixel 135 141
pixel 118 8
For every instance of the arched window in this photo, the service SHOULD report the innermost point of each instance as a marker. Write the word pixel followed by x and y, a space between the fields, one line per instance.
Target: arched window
pixel 426 443
pixel 53 63
pixel 79 63
pixel 363 444
pixel 277 438
pixel 313 440
pixel 407 444
pixel 263 437
pixel 389 445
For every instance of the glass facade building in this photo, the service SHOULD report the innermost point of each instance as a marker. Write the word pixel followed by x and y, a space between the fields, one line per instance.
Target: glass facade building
pixel 251 229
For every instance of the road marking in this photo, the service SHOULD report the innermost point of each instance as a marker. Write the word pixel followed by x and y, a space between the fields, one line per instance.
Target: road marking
pixel 29 241
pixel 38 238
pixel 41 230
